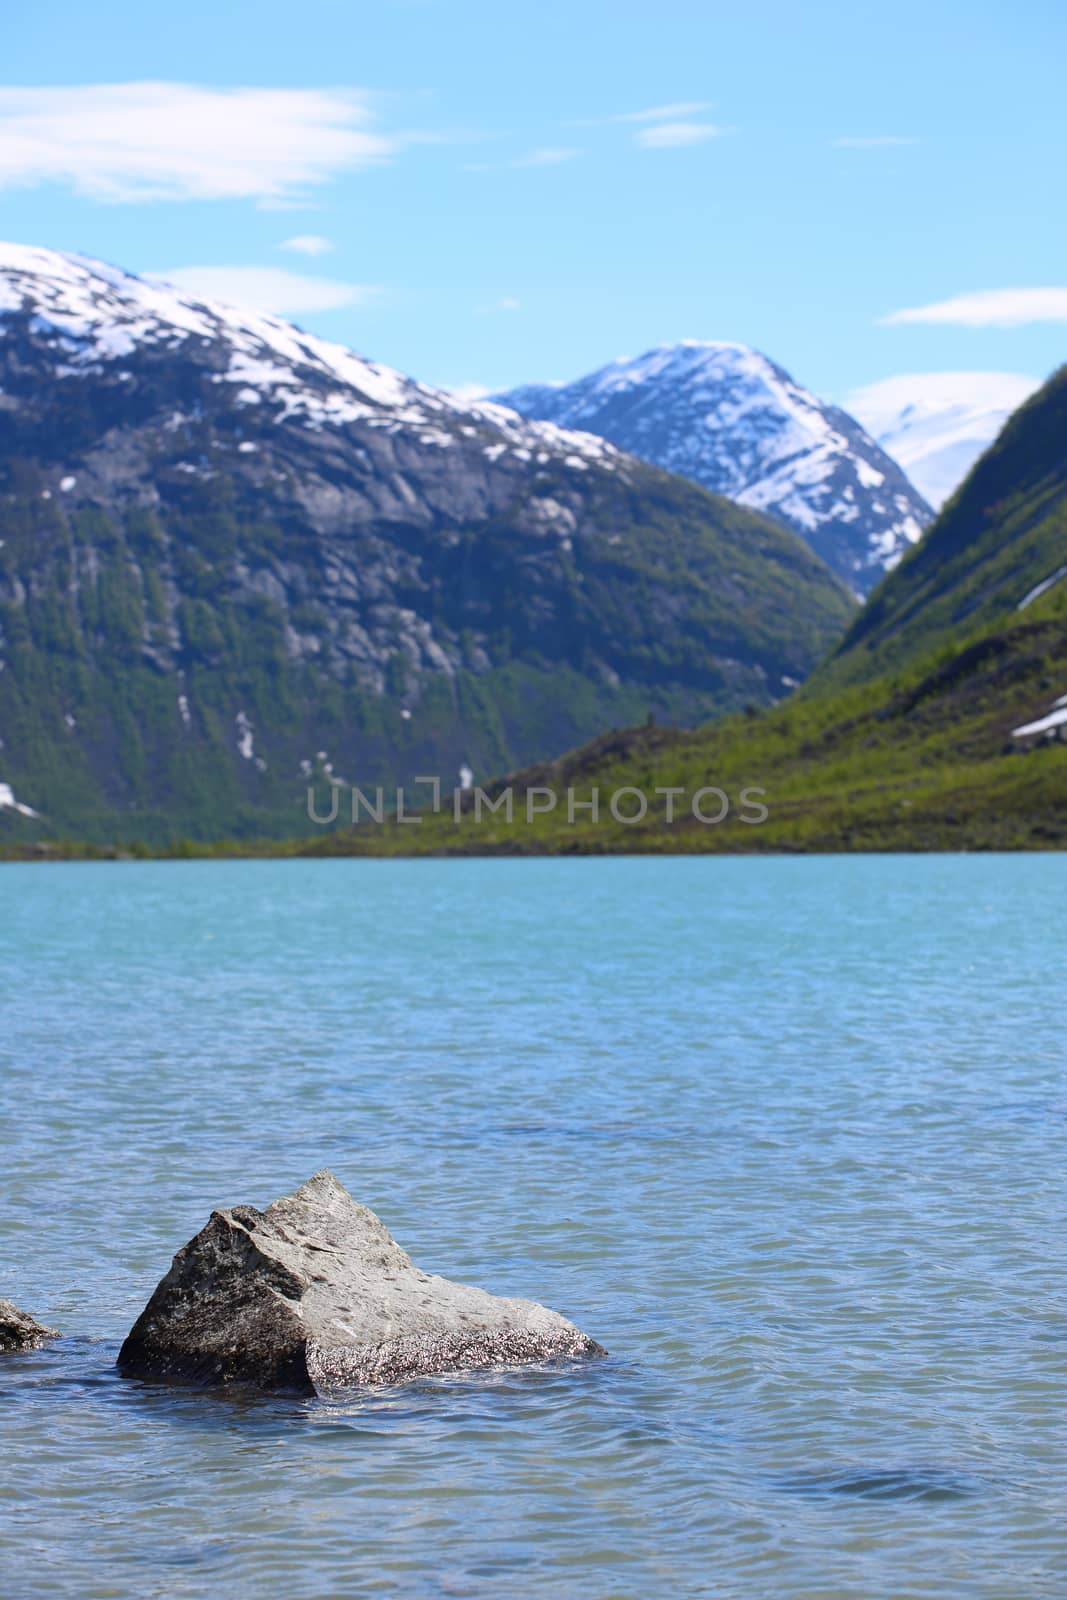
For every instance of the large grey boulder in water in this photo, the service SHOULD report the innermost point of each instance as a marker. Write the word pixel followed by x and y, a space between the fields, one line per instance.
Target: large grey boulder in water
pixel 314 1293
pixel 20 1331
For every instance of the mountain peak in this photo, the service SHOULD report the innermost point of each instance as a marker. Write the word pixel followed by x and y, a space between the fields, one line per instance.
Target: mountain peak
pixel 683 357
pixel 729 417
pixel 103 313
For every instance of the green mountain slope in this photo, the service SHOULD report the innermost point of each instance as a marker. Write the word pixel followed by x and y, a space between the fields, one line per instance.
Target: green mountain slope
pixel 927 759
pixel 114 727
pixel 998 540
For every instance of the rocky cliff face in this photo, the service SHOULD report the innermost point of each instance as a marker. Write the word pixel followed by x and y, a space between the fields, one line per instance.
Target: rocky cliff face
pixel 235 558
pixel 735 422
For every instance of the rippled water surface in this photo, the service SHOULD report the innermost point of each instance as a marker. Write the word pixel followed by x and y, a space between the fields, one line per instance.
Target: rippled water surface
pixel 787 1136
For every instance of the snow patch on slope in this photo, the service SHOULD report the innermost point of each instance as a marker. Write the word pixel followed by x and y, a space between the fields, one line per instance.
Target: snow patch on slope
pixel 1041 588
pixel 1055 719
pixel 9 803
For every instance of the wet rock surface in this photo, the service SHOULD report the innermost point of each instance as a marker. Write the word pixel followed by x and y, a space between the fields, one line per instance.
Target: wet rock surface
pixel 314 1293
pixel 20 1331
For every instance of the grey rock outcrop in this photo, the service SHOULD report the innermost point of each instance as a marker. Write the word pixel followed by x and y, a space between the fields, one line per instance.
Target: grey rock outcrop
pixel 20 1331
pixel 314 1293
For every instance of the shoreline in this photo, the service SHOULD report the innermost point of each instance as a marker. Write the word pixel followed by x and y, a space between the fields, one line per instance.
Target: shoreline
pixel 265 851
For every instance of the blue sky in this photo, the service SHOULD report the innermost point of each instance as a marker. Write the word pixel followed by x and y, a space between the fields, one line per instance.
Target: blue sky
pixel 512 193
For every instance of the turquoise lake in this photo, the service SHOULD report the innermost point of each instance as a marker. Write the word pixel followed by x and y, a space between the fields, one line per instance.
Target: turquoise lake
pixel 787 1136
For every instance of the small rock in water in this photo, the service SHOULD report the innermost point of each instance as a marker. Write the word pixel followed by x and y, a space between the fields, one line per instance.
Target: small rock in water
pixel 314 1293
pixel 20 1331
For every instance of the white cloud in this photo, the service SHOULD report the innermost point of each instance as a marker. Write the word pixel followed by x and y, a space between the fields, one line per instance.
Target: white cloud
pixel 179 141
pixel 549 156
pixel 990 308
pixel 685 108
pixel 878 141
pixel 506 302
pixel 674 135
pixel 268 288
pixel 308 244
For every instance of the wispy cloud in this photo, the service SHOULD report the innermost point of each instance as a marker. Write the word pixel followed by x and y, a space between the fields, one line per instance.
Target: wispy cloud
pixel 877 141
pixel 684 108
pixel 506 302
pixel 547 156
pixel 269 288
pixel 177 141
pixel 669 127
pixel 675 135
pixel 308 244
pixel 543 156
pixel 990 308
pixel 673 113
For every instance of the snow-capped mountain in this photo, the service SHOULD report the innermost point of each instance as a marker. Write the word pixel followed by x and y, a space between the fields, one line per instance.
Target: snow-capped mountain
pixel 735 422
pixel 234 556
pixel 936 424
pixel 97 315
